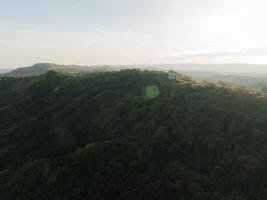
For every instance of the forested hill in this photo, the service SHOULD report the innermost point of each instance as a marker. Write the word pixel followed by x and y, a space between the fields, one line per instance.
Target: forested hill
pixel 41 68
pixel 130 135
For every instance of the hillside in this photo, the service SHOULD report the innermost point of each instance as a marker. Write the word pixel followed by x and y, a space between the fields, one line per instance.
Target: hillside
pixel 4 70
pixel 41 68
pixel 252 81
pixel 249 81
pixel 130 135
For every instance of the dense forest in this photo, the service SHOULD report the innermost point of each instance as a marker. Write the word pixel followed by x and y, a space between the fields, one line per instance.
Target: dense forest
pixel 130 135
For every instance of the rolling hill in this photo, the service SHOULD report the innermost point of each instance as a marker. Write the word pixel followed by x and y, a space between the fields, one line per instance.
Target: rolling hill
pixel 41 68
pixel 130 135
pixel 252 81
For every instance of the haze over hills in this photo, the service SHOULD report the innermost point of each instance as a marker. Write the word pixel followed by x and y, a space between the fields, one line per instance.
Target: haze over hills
pixel 223 69
pixel 249 76
pixel 4 70
pixel 41 68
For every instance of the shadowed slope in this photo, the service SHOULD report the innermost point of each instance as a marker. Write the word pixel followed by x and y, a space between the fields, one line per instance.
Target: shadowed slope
pixel 130 135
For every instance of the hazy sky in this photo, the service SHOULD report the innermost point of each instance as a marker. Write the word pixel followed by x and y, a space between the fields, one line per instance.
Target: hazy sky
pixel 89 32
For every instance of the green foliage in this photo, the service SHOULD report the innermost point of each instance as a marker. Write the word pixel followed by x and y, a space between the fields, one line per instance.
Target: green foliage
pixel 152 91
pixel 98 136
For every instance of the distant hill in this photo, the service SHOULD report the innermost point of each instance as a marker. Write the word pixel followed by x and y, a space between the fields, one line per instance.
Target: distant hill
pixel 230 68
pixel 249 81
pixel 4 70
pixel 254 81
pixel 41 68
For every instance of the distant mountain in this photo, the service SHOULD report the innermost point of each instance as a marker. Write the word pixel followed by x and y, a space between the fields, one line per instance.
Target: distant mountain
pixel 250 76
pixel 41 68
pixel 247 80
pixel 233 68
pixel 194 69
pixel 4 70
pixel 228 73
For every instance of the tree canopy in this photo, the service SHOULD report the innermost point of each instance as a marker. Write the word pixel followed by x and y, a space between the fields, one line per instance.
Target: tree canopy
pixel 130 135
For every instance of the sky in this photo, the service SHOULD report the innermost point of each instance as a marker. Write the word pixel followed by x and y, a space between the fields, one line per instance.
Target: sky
pixel 98 32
